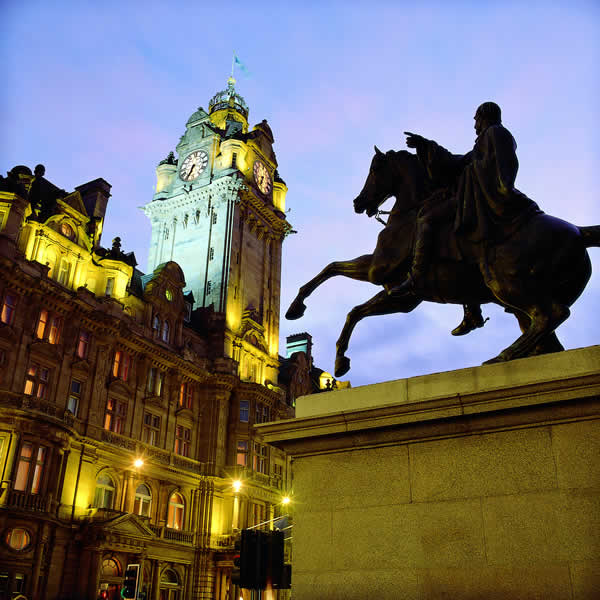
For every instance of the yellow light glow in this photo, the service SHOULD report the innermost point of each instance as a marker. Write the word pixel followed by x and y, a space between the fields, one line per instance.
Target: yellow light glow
pixel 285 500
pixel 138 462
pixel 236 485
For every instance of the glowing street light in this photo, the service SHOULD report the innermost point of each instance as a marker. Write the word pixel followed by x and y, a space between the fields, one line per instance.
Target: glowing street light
pixel 285 500
pixel 138 462
pixel 236 485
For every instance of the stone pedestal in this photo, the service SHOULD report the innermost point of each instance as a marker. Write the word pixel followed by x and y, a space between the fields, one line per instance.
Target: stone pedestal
pixel 482 483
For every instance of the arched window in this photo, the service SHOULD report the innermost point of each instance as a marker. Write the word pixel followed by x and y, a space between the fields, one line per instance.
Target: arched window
pixel 165 331
pixel 143 501
pixel 170 585
pixel 176 513
pixel 156 324
pixel 105 492
pixel 111 568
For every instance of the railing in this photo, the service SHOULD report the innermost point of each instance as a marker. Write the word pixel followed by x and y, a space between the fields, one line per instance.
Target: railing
pixel 24 501
pixel 173 535
pixel 224 540
pixel 153 453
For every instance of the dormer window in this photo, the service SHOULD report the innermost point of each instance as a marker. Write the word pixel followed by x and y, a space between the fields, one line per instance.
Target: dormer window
pixel 110 286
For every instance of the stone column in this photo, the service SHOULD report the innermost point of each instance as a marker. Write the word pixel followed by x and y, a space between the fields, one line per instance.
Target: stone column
pixel 155 591
pixel 94 578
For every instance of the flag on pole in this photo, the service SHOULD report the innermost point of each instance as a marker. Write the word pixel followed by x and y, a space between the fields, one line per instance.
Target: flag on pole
pixel 240 64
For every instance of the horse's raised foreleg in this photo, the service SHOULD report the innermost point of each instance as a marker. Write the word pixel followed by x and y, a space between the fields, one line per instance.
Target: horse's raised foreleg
pixel 354 269
pixel 381 304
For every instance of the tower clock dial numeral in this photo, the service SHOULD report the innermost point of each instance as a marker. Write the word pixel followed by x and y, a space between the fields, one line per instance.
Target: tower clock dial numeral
pixel 193 166
pixel 262 177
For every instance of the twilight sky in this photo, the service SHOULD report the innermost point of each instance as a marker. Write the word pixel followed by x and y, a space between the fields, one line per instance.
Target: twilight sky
pixel 105 89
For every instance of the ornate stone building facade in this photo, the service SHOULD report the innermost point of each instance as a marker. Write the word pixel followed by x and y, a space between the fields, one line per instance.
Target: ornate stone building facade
pixel 127 400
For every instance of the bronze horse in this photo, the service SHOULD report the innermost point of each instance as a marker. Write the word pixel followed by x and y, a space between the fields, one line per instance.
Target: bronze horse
pixel 536 273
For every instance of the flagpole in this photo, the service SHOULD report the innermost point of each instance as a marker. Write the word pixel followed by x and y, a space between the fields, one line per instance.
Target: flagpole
pixel 232 63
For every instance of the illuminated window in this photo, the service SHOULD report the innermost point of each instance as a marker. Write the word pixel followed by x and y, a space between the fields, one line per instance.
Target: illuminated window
pixel 111 568
pixel 156 324
pixel 155 381
pixel 261 462
pixel 165 331
pixel 18 538
pixel 183 437
pixel 244 411
pixel 83 343
pixel 176 512
pixel 105 492
pixel 143 500
pixel 114 416
pixel 121 365
pixel 36 381
pixel 63 272
pixel 242 453
pixel 186 395
pixel 110 286
pixel 9 304
pixel 151 429
pixel 48 327
pixel 74 396
pixel 30 468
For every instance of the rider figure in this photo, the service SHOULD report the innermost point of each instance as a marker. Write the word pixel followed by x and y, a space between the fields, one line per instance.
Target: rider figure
pixel 479 187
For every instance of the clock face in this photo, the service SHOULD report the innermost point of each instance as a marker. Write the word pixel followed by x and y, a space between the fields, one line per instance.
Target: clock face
pixel 262 177
pixel 193 165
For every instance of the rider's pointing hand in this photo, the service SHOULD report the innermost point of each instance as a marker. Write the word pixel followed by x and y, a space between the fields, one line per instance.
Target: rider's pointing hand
pixel 414 140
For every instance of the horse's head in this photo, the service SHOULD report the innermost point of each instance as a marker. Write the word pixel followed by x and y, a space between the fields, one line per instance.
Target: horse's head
pixel 378 187
pixel 386 177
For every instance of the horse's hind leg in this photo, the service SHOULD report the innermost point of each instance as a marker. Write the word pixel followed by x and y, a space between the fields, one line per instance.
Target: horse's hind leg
pixel 380 304
pixel 544 319
pixel 354 269
pixel 550 343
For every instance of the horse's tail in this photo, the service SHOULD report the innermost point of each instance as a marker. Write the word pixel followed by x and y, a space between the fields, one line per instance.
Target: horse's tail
pixel 591 236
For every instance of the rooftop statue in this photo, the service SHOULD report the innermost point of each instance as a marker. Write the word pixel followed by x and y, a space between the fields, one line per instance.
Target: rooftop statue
pixel 459 232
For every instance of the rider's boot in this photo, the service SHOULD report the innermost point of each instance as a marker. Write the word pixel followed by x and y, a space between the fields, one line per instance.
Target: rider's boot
pixel 472 320
pixel 416 276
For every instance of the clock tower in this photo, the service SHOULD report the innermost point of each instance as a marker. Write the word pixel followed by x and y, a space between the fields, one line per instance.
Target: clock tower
pixel 219 212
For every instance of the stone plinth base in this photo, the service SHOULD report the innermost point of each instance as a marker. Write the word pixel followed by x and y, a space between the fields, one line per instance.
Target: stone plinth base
pixel 482 483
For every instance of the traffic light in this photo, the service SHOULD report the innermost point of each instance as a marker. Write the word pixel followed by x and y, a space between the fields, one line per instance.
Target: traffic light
pixel 237 562
pixel 251 560
pixel 130 583
pixel 258 558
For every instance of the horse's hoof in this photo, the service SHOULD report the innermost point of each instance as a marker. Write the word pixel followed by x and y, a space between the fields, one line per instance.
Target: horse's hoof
pixel 497 359
pixel 342 366
pixel 296 310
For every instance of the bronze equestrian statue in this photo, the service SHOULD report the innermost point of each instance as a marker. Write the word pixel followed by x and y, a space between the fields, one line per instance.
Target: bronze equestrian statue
pixel 459 232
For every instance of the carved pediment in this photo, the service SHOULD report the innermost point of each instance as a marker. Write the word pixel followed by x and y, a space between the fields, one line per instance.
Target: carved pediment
pixel 7 333
pixel 128 525
pixel 81 364
pixel 154 401
pixel 118 386
pixel 185 413
pixel 44 348
pixel 251 330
